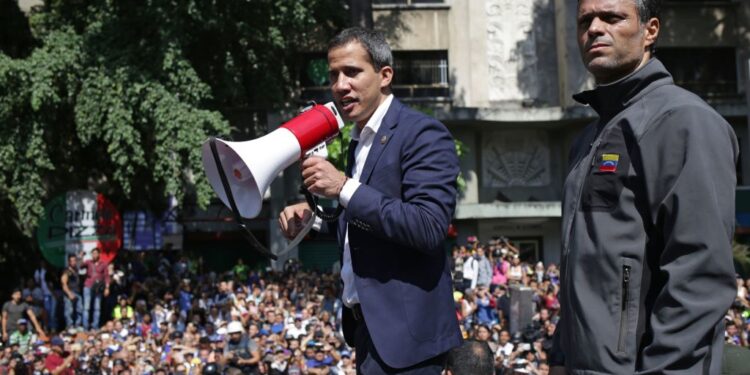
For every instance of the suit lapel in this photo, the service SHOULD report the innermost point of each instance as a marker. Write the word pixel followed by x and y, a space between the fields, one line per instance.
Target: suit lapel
pixel 387 127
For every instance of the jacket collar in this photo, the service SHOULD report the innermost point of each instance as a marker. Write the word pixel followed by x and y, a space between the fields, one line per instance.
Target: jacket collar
pixel 382 138
pixel 610 99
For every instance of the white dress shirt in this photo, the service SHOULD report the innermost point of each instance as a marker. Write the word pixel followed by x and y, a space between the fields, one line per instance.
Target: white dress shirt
pixel 365 138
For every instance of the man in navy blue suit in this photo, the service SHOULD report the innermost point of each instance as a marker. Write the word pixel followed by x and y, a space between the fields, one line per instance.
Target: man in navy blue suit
pixel 399 194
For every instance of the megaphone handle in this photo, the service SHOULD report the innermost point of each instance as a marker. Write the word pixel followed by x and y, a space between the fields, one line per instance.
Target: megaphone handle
pixel 230 197
pixel 312 201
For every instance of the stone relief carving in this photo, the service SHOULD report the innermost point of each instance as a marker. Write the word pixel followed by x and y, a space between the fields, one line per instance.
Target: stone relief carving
pixel 515 158
pixel 511 50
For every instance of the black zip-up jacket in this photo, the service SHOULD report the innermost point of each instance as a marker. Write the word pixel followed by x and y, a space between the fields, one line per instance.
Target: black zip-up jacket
pixel 648 221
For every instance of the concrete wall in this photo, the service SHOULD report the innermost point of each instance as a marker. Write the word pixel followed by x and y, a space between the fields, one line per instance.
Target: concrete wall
pixel 500 51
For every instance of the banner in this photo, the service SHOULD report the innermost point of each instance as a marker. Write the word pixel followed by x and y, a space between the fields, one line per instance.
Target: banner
pixel 142 230
pixel 77 222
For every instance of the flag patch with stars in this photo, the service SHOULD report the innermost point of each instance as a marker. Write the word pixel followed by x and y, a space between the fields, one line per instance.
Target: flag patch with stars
pixel 608 163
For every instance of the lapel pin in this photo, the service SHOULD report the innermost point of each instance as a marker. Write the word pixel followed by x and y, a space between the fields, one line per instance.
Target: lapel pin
pixel 384 139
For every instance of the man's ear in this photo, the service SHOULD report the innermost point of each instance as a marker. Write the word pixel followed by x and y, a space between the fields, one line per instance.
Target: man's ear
pixel 652 32
pixel 386 76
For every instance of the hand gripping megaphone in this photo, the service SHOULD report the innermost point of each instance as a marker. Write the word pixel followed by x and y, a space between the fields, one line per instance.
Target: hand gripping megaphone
pixel 241 172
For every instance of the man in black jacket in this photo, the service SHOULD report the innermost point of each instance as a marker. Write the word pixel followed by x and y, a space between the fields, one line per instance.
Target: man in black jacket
pixel 648 210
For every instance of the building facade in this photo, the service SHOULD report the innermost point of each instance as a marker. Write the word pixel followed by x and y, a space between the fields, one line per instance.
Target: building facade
pixel 501 75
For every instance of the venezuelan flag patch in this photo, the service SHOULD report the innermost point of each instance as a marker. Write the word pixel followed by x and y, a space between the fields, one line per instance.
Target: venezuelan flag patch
pixel 609 163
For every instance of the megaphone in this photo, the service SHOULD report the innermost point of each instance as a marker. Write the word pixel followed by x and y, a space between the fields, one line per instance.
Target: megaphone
pixel 249 167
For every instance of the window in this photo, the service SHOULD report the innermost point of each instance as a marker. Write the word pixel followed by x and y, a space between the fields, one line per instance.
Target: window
pixel 419 76
pixel 709 72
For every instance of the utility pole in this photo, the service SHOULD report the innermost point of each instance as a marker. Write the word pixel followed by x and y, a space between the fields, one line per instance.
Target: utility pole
pixel 361 13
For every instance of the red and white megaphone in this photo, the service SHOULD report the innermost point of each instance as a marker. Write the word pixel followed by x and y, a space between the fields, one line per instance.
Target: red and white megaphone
pixel 250 167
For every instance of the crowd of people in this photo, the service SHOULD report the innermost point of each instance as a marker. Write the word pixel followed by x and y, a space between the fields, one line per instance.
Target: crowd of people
pixel 162 313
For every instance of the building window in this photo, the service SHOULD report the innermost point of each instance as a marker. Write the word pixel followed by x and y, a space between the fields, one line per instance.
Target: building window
pixel 709 72
pixel 419 76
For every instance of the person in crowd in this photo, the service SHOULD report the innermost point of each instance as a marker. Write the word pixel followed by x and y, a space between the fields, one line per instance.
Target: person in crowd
pixel 95 287
pixel 59 361
pixel 484 268
pixel 123 310
pixel 15 310
pixel 471 358
pixel 240 351
pixel 629 241
pixel 22 336
pixel 470 271
pixel 71 287
pixel 42 278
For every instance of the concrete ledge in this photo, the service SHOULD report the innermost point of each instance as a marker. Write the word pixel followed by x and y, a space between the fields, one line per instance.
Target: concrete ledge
pixel 516 114
pixel 508 210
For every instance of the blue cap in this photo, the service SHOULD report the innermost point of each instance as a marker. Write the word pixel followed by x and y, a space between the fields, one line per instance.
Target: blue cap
pixel 57 341
pixel 346 353
pixel 264 332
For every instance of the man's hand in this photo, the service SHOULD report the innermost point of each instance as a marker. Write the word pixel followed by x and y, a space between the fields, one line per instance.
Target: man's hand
pixel 293 219
pixel 322 178
pixel 72 296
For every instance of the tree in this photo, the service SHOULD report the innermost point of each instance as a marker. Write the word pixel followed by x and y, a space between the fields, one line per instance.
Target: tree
pixel 117 97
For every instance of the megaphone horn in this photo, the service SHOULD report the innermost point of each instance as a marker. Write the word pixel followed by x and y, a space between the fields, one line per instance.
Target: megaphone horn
pixel 251 166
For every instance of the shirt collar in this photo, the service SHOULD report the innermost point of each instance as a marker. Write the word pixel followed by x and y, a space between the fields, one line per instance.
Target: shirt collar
pixel 375 120
pixel 609 99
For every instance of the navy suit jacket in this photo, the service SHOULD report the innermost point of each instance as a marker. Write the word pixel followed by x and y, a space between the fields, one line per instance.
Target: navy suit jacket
pixel 398 219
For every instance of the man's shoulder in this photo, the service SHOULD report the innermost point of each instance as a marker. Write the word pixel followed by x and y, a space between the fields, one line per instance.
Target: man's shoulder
pixel 671 98
pixel 413 117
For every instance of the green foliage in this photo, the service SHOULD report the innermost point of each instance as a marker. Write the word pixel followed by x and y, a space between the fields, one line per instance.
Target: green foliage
pixel 741 253
pixel 119 96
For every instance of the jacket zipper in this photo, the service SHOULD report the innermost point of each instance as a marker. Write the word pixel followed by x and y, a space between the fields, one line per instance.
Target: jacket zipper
pixel 624 308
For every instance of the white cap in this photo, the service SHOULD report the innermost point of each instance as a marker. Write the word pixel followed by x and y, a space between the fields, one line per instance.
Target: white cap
pixel 235 327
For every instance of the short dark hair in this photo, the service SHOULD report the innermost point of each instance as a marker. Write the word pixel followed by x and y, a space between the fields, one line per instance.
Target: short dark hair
pixel 373 41
pixel 648 9
pixel 471 358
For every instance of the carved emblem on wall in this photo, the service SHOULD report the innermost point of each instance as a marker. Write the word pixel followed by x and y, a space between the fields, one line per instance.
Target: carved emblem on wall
pixel 511 50
pixel 515 158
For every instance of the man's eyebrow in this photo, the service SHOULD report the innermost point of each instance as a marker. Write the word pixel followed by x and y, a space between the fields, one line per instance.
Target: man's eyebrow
pixel 602 14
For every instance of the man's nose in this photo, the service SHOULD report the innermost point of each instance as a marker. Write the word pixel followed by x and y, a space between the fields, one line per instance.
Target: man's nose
pixel 596 27
pixel 341 83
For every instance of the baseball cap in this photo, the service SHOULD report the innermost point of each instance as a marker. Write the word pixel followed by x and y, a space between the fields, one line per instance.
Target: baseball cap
pixel 57 341
pixel 22 321
pixel 346 354
pixel 235 327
